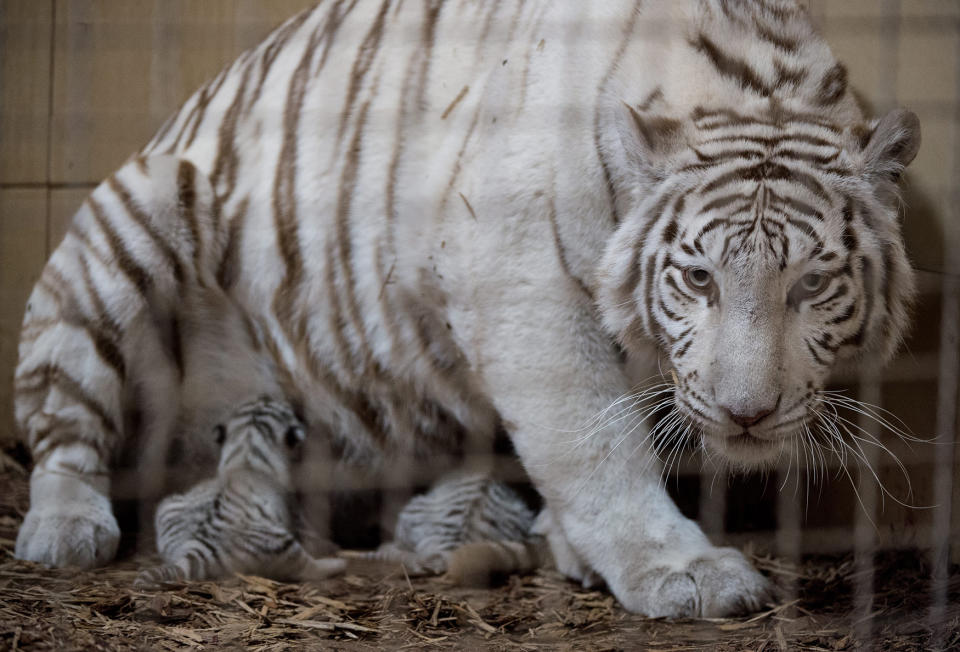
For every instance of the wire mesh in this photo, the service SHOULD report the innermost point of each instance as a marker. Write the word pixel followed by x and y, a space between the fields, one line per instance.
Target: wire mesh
pixel 900 52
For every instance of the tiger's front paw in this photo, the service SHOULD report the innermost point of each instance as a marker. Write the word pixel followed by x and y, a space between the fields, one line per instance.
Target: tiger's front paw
pixel 69 524
pixel 716 583
pixel 62 537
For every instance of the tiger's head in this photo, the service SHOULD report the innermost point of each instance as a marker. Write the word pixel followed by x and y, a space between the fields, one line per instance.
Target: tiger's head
pixel 264 435
pixel 761 252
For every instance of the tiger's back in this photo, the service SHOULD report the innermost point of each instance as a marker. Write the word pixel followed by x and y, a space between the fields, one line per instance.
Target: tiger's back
pixel 350 235
pixel 328 258
pixel 357 259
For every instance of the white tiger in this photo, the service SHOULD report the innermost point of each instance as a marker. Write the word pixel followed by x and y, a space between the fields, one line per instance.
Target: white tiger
pixel 438 218
pixel 240 521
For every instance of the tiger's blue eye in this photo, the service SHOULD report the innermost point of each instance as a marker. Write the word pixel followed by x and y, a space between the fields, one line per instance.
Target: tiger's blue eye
pixel 809 286
pixel 698 278
pixel 813 283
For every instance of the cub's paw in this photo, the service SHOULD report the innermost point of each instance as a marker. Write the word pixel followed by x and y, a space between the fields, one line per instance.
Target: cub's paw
pixel 720 582
pixel 156 577
pixel 63 535
pixel 321 569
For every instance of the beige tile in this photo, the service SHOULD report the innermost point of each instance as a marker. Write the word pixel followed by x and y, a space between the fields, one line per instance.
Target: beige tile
pixel 930 8
pixel 928 193
pixel 936 165
pixel 922 342
pixel 859 52
pixel 815 7
pixel 928 228
pixel 121 68
pixel 25 26
pixel 843 9
pixel 101 86
pixel 927 67
pixel 64 202
pixel 255 16
pixel 925 82
pixel 23 232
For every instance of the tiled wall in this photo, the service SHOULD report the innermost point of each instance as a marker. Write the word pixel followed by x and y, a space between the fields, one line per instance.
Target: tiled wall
pixel 907 53
pixel 85 82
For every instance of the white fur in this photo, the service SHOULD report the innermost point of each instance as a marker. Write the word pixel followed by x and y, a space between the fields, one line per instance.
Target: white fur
pixel 453 212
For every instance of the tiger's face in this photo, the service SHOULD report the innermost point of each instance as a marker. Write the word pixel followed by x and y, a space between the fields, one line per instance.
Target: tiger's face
pixel 766 255
pixel 263 434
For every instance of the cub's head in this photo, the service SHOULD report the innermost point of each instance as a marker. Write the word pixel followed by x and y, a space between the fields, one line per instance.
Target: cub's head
pixel 760 252
pixel 264 435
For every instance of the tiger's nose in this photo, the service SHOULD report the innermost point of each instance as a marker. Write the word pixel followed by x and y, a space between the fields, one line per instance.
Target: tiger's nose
pixel 747 420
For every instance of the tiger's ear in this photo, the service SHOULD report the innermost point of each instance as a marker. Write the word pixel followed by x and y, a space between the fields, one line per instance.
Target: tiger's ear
pixel 889 148
pixel 650 141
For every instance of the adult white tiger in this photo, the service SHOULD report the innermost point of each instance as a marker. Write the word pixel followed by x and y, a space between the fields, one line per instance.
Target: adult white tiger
pixel 433 216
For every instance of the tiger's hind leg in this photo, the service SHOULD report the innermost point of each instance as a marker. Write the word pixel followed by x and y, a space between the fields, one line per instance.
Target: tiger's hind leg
pixel 415 563
pixel 297 565
pixel 156 576
pixel 319 569
pixel 194 563
pixel 143 238
pixel 480 562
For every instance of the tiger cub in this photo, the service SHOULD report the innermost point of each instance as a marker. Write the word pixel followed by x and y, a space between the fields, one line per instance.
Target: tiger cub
pixel 470 527
pixel 240 521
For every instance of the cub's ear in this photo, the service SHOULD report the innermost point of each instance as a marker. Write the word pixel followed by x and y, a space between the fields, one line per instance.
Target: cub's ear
pixel 889 148
pixel 649 141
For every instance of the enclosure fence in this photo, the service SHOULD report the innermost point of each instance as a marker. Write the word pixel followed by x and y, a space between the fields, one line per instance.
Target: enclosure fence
pixel 83 83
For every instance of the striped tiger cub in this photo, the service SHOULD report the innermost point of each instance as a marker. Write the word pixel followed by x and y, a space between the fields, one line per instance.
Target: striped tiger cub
pixel 473 528
pixel 240 521
pixel 459 510
pixel 431 221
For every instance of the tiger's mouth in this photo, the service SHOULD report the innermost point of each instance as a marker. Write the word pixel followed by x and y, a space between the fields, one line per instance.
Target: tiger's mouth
pixel 745 439
pixel 743 449
pixel 751 447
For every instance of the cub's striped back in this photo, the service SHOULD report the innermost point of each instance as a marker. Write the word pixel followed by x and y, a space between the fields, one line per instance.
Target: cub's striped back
pixel 468 517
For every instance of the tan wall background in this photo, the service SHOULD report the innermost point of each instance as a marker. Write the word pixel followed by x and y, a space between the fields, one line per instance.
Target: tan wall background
pixel 85 82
